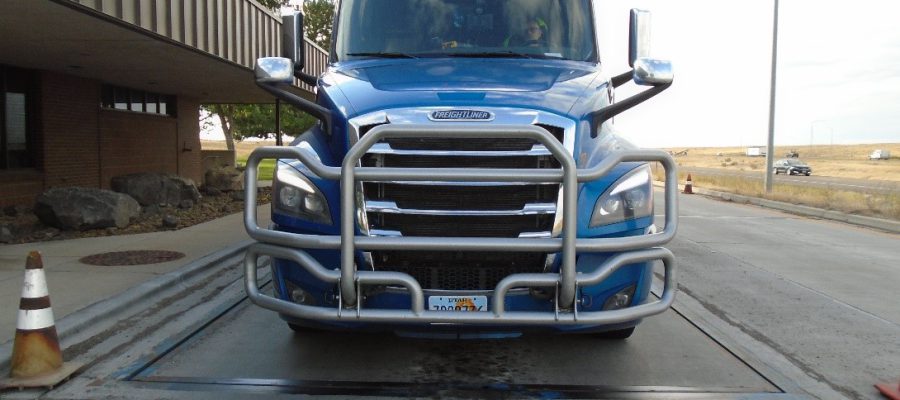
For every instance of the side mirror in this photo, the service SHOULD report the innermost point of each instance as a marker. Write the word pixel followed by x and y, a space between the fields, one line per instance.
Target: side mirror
pixel 647 71
pixel 638 35
pixel 274 70
pixel 292 39
pixel 652 72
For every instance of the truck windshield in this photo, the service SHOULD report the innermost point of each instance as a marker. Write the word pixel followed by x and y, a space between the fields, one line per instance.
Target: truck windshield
pixel 560 29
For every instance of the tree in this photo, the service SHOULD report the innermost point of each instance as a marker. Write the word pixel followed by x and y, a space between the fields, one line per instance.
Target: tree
pixel 318 17
pixel 241 121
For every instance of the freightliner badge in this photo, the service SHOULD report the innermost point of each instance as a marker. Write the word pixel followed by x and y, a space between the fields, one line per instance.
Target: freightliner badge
pixel 460 115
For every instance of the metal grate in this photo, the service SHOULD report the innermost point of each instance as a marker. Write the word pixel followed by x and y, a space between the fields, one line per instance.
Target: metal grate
pixel 434 197
pixel 509 226
pixel 458 270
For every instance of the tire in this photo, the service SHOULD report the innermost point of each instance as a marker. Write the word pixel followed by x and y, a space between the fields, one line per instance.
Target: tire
pixel 302 329
pixel 807 174
pixel 620 334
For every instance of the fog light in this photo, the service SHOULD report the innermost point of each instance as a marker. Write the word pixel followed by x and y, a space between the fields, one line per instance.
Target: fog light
pixel 619 300
pixel 300 296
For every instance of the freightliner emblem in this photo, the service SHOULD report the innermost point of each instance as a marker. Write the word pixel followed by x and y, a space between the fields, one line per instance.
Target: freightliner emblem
pixel 461 115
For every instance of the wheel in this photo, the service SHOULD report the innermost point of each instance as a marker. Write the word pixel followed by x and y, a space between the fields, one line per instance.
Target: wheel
pixel 776 171
pixel 807 174
pixel 620 334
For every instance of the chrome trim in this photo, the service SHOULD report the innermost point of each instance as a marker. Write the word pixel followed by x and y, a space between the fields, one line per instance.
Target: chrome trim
pixel 390 233
pixel 535 235
pixel 384 233
pixel 390 207
pixel 385 148
pixel 439 183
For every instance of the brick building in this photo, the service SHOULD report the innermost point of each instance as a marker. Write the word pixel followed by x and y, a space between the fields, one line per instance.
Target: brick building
pixel 93 89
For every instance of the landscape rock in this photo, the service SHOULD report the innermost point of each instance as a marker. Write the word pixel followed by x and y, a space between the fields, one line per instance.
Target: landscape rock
pixel 237 195
pixel 185 204
pixel 212 191
pixel 6 234
pixel 225 179
pixel 156 188
pixel 74 208
pixel 10 211
pixel 170 221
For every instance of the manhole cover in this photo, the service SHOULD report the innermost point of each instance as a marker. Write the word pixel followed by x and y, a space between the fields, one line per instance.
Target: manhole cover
pixel 131 257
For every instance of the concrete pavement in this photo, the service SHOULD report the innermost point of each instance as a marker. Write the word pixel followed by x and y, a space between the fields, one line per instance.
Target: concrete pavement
pixel 74 286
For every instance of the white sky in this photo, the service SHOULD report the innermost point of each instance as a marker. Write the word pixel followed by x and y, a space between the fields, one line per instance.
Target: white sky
pixel 838 71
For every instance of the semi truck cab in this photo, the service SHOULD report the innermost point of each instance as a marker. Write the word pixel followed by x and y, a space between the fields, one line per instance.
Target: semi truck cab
pixel 464 177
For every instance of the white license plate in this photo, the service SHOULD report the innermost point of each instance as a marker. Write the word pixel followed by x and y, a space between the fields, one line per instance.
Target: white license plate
pixel 457 303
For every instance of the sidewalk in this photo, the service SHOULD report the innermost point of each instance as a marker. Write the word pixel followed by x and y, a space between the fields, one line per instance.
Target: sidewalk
pixel 74 286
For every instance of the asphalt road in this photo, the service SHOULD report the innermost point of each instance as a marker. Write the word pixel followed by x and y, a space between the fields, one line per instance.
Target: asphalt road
pixel 857 185
pixel 822 295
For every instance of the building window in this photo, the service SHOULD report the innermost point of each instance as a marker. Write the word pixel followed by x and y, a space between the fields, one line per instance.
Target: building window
pixel 119 98
pixel 16 137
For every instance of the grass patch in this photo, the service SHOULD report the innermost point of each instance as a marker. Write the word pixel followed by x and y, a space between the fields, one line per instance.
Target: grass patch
pixel 266 167
pixel 879 205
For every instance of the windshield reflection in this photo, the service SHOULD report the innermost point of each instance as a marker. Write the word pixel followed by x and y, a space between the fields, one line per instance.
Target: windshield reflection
pixel 558 29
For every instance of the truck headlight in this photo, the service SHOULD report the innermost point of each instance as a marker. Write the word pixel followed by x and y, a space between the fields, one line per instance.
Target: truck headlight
pixel 298 196
pixel 630 197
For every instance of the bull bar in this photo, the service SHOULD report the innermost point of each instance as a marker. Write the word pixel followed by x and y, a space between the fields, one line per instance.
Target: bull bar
pixel 286 245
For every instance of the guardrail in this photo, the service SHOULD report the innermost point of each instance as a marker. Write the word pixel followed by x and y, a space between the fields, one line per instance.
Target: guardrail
pixel 631 249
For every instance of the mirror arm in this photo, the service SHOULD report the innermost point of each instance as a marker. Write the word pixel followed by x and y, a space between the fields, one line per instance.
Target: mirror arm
pixel 317 111
pixel 305 78
pixel 620 79
pixel 604 114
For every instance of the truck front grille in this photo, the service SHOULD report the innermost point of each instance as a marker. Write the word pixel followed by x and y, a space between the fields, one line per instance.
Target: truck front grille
pixel 457 209
pixel 459 270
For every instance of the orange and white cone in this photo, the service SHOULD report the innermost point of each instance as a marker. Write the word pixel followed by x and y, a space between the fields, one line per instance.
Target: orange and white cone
pixel 689 185
pixel 36 359
pixel 889 390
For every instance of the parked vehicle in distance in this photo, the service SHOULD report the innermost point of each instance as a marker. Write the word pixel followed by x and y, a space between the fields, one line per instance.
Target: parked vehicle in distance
pixel 756 151
pixel 880 154
pixel 792 166
pixel 792 154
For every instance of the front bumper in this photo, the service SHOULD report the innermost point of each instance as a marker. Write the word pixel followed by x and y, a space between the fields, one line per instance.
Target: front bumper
pixel 564 285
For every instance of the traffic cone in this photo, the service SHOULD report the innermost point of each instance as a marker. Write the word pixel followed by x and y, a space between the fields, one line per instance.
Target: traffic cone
pixel 36 359
pixel 889 390
pixel 689 186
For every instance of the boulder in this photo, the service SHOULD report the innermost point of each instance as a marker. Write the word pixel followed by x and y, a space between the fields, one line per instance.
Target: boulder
pixel 170 221
pixel 6 233
pixel 225 179
pixel 75 208
pixel 156 188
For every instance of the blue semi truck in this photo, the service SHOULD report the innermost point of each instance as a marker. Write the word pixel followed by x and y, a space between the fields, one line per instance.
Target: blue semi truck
pixel 464 177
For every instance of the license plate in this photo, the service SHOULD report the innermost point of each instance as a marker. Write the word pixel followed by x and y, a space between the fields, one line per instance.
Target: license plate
pixel 457 303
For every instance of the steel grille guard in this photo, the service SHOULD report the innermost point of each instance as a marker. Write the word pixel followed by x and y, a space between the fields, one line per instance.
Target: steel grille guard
pixel 631 249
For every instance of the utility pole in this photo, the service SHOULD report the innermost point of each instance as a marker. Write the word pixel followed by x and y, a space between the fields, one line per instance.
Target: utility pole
pixel 770 153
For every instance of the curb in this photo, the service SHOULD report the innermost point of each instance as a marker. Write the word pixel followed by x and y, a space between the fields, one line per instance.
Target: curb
pixel 113 309
pixel 868 222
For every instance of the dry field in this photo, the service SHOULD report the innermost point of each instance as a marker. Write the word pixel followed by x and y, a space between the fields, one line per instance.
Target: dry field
pixel 842 161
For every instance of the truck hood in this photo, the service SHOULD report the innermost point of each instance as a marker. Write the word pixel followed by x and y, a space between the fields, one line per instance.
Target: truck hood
pixel 370 85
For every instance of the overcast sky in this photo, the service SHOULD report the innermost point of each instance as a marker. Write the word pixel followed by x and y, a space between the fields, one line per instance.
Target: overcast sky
pixel 838 71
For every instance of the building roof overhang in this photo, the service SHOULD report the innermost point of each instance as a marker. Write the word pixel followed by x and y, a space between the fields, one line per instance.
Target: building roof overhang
pixel 66 37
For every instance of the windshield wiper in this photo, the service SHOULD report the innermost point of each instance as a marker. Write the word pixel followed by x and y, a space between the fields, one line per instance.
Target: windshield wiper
pixel 382 55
